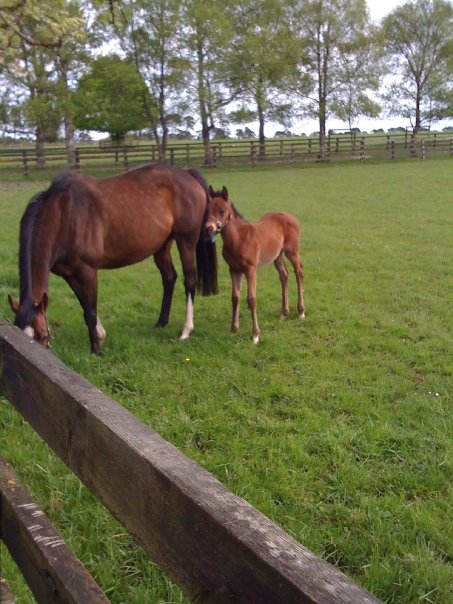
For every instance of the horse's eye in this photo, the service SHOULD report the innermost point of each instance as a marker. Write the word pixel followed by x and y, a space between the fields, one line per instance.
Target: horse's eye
pixel 222 212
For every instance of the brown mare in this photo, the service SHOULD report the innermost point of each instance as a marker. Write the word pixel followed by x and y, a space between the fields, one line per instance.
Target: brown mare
pixel 81 224
pixel 247 246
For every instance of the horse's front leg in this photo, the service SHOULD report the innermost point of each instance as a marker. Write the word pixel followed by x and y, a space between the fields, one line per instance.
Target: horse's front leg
pixel 164 263
pixel 187 253
pixel 84 283
pixel 236 283
pixel 250 275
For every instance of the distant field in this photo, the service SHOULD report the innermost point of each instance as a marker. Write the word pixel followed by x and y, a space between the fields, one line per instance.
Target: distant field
pixel 337 427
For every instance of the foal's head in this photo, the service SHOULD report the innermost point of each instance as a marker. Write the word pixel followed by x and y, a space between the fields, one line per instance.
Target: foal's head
pixel 31 318
pixel 220 212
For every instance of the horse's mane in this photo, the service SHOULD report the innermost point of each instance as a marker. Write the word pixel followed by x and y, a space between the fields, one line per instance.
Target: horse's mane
pixel 27 308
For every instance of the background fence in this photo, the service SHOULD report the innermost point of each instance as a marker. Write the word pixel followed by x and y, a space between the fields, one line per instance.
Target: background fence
pixel 340 147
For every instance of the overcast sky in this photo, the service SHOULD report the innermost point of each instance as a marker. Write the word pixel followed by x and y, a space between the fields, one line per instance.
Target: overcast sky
pixel 381 8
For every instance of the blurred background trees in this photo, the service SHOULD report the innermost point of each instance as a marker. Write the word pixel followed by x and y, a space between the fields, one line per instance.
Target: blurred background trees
pixel 180 66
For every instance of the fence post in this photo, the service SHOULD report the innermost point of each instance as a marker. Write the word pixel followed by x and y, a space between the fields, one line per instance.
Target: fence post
pixel 393 151
pixel 77 160
pixel 451 147
pixel 25 163
pixel 293 153
pixel 172 157
pixel 309 146
pixel 423 149
pixel 253 154
pixel 125 159
pixel 362 149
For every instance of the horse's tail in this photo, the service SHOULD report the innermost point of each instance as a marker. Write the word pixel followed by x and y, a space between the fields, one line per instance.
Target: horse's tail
pixel 206 250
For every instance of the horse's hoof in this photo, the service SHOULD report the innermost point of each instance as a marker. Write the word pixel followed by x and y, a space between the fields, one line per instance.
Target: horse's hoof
pixel 256 339
pixel 302 315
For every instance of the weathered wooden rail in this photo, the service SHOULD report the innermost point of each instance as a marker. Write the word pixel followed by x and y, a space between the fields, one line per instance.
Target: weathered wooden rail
pixel 107 157
pixel 209 541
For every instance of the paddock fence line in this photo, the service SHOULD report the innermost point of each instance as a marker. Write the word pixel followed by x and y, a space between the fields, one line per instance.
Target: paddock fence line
pixel 224 153
pixel 210 542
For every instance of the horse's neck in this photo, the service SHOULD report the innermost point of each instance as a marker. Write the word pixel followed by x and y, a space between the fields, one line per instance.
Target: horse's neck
pixel 236 230
pixel 35 264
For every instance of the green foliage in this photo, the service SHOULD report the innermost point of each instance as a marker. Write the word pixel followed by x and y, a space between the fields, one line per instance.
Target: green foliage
pixel 111 98
pixel 337 427
pixel 418 41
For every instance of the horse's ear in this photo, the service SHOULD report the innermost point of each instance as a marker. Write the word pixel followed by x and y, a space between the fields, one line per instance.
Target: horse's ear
pixel 14 304
pixel 225 193
pixel 211 192
pixel 42 306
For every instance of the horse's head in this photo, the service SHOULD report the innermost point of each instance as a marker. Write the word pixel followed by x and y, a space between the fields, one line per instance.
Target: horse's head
pixel 219 212
pixel 33 320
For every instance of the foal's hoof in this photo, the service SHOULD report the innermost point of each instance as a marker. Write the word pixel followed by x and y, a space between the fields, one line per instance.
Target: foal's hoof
pixel 302 315
pixel 256 339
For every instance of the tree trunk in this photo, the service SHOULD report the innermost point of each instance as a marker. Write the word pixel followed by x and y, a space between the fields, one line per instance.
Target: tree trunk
pixel 40 152
pixel 69 142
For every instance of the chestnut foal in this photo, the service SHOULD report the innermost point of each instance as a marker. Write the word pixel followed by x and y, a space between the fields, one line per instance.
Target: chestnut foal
pixel 247 246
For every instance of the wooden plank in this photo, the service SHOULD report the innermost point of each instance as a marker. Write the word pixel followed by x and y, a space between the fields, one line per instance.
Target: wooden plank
pixel 51 570
pixel 204 537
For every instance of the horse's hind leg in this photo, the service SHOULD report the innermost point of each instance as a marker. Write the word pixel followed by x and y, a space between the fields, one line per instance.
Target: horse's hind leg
pixel 294 258
pixel 187 253
pixel 279 264
pixel 164 263
pixel 84 284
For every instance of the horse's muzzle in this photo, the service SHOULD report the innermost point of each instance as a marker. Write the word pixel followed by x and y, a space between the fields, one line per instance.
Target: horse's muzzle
pixel 209 232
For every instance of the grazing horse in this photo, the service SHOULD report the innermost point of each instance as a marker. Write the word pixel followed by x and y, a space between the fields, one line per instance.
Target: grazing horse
pixel 247 246
pixel 81 224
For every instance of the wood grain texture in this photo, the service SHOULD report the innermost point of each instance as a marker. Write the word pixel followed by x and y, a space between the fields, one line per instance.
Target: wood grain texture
pixel 51 570
pixel 204 537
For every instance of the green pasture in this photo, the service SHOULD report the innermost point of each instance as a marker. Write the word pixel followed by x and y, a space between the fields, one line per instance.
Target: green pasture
pixel 338 427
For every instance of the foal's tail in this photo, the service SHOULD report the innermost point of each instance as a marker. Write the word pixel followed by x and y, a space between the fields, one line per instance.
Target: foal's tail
pixel 206 250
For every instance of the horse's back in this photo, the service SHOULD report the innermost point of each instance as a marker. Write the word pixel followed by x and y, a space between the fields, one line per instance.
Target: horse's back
pixel 123 219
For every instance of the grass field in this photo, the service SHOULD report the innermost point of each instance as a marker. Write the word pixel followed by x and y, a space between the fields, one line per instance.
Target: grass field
pixel 339 427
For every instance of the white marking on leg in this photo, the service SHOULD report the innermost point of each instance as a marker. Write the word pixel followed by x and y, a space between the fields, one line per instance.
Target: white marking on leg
pixel 188 325
pixel 29 331
pixel 100 331
pixel 256 339
pixel 302 315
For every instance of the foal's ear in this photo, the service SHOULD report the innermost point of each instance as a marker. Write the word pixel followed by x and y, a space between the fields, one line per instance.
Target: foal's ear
pixel 211 192
pixel 14 304
pixel 225 193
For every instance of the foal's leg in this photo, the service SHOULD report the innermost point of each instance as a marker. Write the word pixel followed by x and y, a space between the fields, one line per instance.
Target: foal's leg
pixel 250 275
pixel 294 258
pixel 279 264
pixel 187 252
pixel 84 283
pixel 164 263
pixel 236 282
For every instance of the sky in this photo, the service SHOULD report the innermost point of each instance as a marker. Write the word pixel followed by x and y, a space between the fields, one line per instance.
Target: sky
pixel 381 8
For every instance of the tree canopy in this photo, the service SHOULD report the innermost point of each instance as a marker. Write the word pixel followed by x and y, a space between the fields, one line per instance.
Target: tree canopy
pixel 118 66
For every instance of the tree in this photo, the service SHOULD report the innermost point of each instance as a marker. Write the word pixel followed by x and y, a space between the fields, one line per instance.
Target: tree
pixel 335 57
pixel 260 57
pixel 40 42
pixel 110 98
pixel 207 33
pixel 418 35
pixel 149 34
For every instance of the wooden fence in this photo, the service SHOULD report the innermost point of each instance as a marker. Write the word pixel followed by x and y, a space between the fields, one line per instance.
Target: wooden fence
pixel 213 544
pixel 235 152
